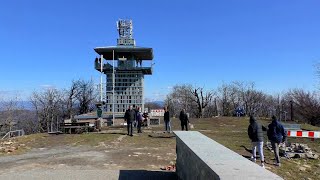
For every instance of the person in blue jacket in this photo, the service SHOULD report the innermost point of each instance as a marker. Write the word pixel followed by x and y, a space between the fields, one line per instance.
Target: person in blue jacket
pixel 276 134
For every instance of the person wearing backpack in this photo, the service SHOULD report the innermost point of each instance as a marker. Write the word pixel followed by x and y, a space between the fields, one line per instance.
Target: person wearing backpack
pixel 276 134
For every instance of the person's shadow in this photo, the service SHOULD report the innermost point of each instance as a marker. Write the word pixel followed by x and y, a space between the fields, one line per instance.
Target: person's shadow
pixel 250 151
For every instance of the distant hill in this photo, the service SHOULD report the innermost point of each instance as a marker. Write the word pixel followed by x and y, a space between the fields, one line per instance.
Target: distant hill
pixel 27 105
pixel 160 103
pixel 154 104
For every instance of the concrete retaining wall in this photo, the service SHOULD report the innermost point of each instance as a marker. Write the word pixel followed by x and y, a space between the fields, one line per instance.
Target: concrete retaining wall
pixel 199 157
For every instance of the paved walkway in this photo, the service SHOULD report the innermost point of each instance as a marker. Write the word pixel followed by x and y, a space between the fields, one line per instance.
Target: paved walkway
pixel 41 174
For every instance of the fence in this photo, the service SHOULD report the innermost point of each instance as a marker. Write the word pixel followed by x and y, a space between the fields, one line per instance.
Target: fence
pixel 15 133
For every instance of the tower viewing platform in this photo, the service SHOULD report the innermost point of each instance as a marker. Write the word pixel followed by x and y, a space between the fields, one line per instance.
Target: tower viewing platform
pixel 124 66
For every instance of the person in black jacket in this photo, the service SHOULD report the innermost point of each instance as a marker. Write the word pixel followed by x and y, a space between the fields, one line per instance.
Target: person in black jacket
pixel 184 120
pixel 256 135
pixel 166 118
pixel 276 134
pixel 130 117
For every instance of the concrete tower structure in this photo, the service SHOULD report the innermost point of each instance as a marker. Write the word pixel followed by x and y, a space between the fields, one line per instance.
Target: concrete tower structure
pixel 124 66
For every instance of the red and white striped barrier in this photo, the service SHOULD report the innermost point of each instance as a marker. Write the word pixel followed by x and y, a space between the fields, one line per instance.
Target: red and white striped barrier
pixel 307 134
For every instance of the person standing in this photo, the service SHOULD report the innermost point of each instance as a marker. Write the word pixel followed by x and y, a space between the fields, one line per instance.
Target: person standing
pixel 166 118
pixel 136 111
pixel 130 116
pixel 139 119
pixel 255 133
pixel 184 119
pixel 145 118
pixel 276 134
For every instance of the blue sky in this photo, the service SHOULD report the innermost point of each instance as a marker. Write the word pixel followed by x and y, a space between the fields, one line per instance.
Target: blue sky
pixel 205 43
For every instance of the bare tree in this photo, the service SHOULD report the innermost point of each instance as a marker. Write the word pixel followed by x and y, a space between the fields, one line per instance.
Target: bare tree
pixel 48 109
pixel 194 99
pixel 70 99
pixel 86 96
pixel 14 116
pixel 9 113
pixel 180 98
pixel 306 106
pixel 202 99
pixel 224 100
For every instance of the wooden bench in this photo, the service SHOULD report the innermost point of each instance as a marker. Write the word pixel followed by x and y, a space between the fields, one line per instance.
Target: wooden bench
pixel 77 127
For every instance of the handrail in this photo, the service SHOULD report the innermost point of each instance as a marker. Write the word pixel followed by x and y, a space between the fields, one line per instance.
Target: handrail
pixel 11 134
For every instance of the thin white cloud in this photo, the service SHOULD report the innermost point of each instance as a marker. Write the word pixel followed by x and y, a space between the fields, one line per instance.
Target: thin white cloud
pixel 47 86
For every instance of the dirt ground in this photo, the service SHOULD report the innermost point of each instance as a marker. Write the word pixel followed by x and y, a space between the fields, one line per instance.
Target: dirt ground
pixel 108 150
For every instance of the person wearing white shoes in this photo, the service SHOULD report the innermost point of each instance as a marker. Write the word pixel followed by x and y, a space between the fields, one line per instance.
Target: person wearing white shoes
pixel 276 135
pixel 255 133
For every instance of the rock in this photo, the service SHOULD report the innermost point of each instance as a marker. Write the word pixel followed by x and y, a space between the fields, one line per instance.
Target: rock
pixel 288 173
pixel 312 156
pixel 299 155
pixel 302 169
pixel 290 155
pixel 9 150
pixel 318 165
pixel 307 166
pixel 8 143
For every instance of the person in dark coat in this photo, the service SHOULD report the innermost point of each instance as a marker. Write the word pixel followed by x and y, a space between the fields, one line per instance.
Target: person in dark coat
pixel 135 123
pixel 166 118
pixel 130 117
pixel 276 134
pixel 139 119
pixel 184 120
pixel 255 133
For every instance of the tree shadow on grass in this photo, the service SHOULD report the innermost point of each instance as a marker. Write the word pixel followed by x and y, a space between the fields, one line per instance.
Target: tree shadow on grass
pixel 146 175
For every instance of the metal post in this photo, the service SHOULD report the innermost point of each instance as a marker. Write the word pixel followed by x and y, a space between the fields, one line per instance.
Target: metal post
pixel 285 116
pixel 101 71
pixel 113 83
pixel 291 110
